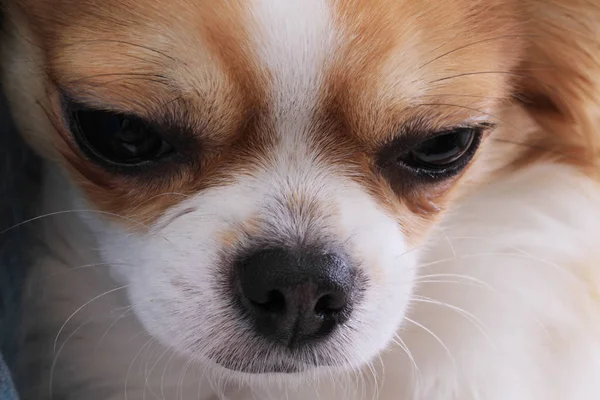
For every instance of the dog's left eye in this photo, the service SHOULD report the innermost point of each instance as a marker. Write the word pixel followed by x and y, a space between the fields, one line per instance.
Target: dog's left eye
pixel 438 157
pixel 444 151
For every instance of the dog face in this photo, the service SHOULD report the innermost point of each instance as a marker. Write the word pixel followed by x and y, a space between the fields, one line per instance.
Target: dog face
pixel 266 173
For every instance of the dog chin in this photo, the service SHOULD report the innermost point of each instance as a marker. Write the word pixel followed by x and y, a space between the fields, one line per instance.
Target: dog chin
pixel 268 369
pixel 282 366
pixel 286 371
pixel 289 374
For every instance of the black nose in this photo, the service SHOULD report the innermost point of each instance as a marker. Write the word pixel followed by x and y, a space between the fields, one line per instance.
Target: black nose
pixel 295 297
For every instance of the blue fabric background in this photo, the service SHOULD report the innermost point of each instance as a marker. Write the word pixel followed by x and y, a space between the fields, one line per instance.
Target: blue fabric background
pixel 18 185
pixel 7 391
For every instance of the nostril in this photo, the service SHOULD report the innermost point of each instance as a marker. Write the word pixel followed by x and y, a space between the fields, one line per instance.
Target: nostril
pixel 273 303
pixel 294 296
pixel 330 304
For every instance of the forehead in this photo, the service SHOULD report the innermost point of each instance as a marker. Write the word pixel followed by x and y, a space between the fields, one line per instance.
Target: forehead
pixel 276 86
pixel 371 60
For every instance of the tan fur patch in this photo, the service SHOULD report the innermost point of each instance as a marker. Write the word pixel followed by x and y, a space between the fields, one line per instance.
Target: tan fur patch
pixel 421 65
pixel 426 64
pixel 180 61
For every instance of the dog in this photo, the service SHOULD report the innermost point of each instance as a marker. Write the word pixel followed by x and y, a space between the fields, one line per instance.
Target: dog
pixel 310 199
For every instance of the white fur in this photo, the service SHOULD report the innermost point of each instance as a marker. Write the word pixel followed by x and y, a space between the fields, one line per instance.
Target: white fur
pixel 503 304
pixel 187 249
pixel 521 265
pixel 201 320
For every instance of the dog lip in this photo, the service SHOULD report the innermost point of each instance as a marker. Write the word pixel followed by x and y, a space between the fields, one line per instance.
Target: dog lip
pixel 266 369
pixel 283 366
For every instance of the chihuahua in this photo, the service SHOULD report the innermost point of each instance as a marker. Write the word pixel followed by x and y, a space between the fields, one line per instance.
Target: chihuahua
pixel 310 199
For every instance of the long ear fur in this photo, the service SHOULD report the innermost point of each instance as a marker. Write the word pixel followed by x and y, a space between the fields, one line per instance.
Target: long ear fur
pixel 561 84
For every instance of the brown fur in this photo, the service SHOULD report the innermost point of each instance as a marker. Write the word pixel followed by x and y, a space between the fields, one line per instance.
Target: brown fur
pixel 534 63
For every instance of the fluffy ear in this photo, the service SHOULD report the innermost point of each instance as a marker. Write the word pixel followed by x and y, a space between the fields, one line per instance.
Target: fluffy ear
pixel 561 75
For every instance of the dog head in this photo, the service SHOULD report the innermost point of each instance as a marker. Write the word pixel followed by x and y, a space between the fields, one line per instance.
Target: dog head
pixel 266 173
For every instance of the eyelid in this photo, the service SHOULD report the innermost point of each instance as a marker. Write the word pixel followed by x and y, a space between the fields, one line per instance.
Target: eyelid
pixel 413 136
pixel 171 129
pixel 480 126
pixel 74 103
pixel 404 144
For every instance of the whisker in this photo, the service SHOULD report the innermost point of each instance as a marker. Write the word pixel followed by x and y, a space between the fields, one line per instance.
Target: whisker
pixel 127 310
pixel 140 333
pixel 377 383
pixel 448 281
pixel 44 279
pixel 164 372
pixel 505 297
pixel 468 278
pixel 467 108
pixel 125 391
pixel 57 354
pixel 468 45
pixel 181 379
pixel 436 337
pixel 148 374
pixel 398 340
pixel 202 375
pixel 75 211
pixel 469 316
pixel 441 229
pixel 509 73
pixel 437 262
pixel 55 213
pixel 557 267
pixel 522 254
pixel 83 306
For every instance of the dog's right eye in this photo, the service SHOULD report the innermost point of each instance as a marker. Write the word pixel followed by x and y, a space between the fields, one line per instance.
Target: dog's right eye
pixel 117 139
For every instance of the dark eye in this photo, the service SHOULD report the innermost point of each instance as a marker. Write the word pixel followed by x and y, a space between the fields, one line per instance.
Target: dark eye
pixel 117 139
pixel 410 159
pixel 442 154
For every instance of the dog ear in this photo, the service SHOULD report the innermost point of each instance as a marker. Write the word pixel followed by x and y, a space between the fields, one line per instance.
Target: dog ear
pixel 560 77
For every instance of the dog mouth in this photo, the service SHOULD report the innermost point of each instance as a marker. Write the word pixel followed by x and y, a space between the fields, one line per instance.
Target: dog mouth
pixel 278 368
pixel 272 361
